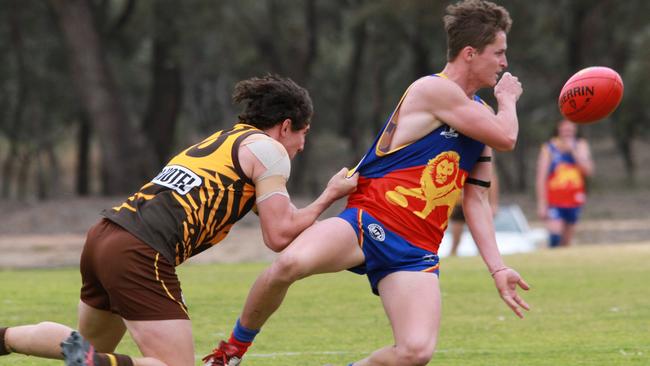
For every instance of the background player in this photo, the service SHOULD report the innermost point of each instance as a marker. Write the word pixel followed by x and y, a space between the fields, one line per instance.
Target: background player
pixel 563 165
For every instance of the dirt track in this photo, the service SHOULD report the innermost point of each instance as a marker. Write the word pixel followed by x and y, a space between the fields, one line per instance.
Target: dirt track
pixel 51 234
pixel 57 250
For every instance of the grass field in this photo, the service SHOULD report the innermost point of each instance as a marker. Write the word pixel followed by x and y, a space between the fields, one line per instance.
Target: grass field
pixel 590 306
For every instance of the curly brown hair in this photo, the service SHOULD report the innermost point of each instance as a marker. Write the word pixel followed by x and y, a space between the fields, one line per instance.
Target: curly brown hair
pixel 271 99
pixel 474 23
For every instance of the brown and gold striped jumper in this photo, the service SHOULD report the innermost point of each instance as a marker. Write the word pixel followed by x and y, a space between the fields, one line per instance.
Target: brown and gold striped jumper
pixel 194 201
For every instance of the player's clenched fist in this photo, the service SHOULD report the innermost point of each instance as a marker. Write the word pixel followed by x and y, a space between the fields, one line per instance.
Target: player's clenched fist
pixel 508 86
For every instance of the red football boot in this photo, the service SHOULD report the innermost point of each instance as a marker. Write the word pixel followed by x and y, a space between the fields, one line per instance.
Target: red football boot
pixel 225 355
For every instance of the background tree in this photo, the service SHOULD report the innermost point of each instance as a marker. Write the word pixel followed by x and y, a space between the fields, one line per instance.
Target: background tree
pixel 124 154
pixel 103 92
pixel 166 88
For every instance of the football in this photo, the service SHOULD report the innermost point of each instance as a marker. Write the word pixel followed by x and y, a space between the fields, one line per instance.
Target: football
pixel 591 94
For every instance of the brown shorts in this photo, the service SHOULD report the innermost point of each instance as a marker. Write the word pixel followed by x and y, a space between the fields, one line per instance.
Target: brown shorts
pixel 124 275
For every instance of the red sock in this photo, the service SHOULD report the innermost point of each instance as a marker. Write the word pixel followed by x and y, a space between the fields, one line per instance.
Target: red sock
pixel 241 346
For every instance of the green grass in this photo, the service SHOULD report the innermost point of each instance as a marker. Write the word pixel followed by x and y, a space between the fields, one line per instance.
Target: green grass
pixel 590 306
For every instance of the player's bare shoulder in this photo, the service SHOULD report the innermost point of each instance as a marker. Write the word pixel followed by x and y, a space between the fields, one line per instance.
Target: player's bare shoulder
pixel 415 117
pixel 436 91
pixel 431 84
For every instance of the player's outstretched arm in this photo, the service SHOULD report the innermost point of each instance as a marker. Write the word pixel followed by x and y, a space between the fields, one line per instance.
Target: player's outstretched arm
pixel 478 214
pixel 267 163
pixel 281 221
pixel 479 220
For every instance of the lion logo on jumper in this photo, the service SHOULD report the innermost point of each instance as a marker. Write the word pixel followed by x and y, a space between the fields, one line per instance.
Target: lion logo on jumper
pixel 566 176
pixel 440 185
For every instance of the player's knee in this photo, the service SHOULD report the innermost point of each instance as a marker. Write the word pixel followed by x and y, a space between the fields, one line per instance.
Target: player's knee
pixel 287 268
pixel 90 332
pixel 415 353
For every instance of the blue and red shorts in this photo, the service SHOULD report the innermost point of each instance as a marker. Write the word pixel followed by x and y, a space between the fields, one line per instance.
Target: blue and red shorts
pixel 570 215
pixel 385 251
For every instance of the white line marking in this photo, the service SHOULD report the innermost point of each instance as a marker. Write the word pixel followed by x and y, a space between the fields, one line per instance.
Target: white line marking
pixel 276 354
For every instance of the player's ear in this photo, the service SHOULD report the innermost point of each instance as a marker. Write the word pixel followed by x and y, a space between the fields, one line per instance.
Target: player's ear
pixel 286 127
pixel 468 53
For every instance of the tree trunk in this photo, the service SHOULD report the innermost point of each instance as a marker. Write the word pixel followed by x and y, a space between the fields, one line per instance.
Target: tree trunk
pixel 14 134
pixel 574 23
pixel 377 118
pixel 125 157
pixel 8 168
pixel 301 75
pixel 54 166
pixel 623 135
pixel 22 176
pixel 165 95
pixel 42 190
pixel 264 38
pixel 82 186
pixel 309 50
pixel 421 53
pixel 349 125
